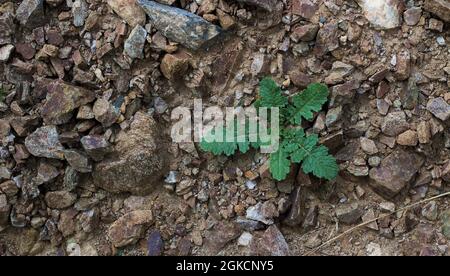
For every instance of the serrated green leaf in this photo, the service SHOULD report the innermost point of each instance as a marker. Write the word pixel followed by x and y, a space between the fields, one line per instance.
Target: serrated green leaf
pixel 309 101
pixel 304 148
pixel 321 164
pixel 280 166
pixel 270 94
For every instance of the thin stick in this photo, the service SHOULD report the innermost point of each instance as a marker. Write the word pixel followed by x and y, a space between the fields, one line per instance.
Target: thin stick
pixel 374 220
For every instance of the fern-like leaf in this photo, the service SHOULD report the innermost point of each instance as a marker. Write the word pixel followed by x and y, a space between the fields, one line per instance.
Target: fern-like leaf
pixel 321 164
pixel 270 94
pixel 309 101
pixel 280 166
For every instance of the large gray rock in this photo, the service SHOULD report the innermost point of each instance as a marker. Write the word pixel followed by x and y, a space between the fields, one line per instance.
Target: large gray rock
pixel 440 108
pixel 30 13
pixel 137 163
pixel 395 173
pixel 44 142
pixel 179 25
pixel 134 45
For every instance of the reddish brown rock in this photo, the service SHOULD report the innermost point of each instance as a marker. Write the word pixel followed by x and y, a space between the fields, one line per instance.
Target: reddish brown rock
pixel 129 228
pixel 395 173
pixel 305 8
pixel 174 65
pixel 62 100
pixel 25 50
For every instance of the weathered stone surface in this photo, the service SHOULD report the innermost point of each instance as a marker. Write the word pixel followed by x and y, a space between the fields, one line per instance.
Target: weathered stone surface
pixel 5 52
pixel 440 8
pixel 270 243
pixel 129 228
pixel 305 33
pixel 174 65
pixel 395 123
pixel 408 138
pixel 179 25
pixel 349 213
pixel 305 8
pixel 62 100
pixel 137 164
pixel 30 12
pixel 6 28
pixel 78 160
pixel 218 237
pixel 439 108
pixel 60 199
pixel 105 112
pixel 327 39
pixel 412 16
pixel 44 142
pixel 96 146
pixel 46 173
pixel 395 172
pixel 155 244
pixel 383 14
pixel 129 11
pixel 80 12
pixel 297 212
pixel 134 45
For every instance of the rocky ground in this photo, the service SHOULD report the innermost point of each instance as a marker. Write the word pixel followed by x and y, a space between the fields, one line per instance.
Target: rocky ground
pixel 87 165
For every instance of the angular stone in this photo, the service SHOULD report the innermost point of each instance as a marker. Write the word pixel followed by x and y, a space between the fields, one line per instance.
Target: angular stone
pixel 26 50
pixel 129 228
pixel 408 138
pixel 327 39
pixel 155 244
pixel 395 173
pixel 297 212
pixel 305 8
pixel 305 33
pixel 338 72
pixel 6 28
pixel 349 213
pixel 270 243
pixel 368 146
pixel 46 173
pixel 60 199
pixel 134 45
pixel 174 65
pixel 96 146
pixel 439 108
pixel 343 94
pixel 179 25
pixel 137 164
pixel 5 52
pixel 78 160
pixel 44 142
pixel 5 173
pixel 383 14
pixel 220 235
pixel 129 11
pixel 412 16
pixel 62 100
pixel 30 13
pixel 395 123
pixel 440 8
pixel 105 112
pixel 80 11
pixel 403 68
pixel 5 128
